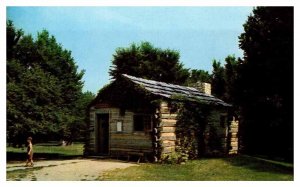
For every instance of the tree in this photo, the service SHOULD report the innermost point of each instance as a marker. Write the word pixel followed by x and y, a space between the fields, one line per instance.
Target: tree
pixel 149 62
pixel 77 129
pixel 43 87
pixel 224 79
pixel 231 75
pixel 198 75
pixel 218 80
pixel 266 80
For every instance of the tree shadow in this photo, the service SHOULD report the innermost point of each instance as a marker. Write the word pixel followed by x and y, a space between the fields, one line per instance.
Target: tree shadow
pixel 259 165
pixel 13 156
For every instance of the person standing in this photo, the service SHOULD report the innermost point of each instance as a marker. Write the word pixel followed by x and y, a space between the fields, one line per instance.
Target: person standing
pixel 29 161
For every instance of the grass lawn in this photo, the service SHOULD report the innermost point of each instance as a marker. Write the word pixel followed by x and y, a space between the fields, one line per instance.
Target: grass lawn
pixel 46 151
pixel 207 169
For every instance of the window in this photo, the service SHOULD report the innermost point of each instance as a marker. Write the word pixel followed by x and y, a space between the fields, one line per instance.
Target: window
pixel 141 122
pixel 119 126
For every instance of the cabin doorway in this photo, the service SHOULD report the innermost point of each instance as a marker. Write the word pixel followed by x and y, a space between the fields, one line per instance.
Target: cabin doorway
pixel 102 134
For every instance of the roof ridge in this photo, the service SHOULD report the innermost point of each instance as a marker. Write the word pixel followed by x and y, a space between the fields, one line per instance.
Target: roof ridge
pixel 168 90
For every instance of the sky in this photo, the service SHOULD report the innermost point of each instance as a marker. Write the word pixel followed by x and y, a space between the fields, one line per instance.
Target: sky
pixel 200 34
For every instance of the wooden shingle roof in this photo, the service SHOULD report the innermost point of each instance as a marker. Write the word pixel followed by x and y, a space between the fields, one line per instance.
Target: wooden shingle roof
pixel 170 91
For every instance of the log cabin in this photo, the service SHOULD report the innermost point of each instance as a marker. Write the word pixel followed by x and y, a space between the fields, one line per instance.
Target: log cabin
pixel 135 116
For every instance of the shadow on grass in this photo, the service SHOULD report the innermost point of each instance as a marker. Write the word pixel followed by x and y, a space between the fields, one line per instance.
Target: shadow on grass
pixel 19 175
pixel 24 174
pixel 14 156
pixel 259 165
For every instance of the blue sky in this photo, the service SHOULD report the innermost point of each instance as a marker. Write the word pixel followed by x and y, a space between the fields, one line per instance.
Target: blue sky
pixel 200 34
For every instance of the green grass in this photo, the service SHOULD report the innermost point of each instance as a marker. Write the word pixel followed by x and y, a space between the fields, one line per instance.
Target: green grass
pixel 18 175
pixel 206 169
pixel 75 149
pixel 46 151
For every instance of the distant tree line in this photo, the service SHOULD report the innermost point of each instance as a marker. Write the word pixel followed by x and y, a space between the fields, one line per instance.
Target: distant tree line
pixel 44 90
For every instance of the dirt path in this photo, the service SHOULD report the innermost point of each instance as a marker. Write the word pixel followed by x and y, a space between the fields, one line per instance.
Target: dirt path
pixel 65 170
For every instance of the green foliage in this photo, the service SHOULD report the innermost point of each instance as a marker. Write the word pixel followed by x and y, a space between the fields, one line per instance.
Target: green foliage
pixel 125 94
pixel 214 140
pixel 266 81
pixel 191 125
pixel 224 78
pixel 231 76
pixel 172 158
pixel 43 88
pixel 218 80
pixel 198 76
pixel 149 62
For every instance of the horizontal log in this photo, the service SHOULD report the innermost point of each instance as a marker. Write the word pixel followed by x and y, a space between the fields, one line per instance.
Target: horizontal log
pixel 234 139
pixel 125 120
pixel 165 129
pixel 168 149
pixel 137 147
pixel 130 142
pixel 167 143
pixel 129 150
pixel 234 134
pixel 167 134
pixel 168 116
pixel 168 138
pixel 234 144
pixel 123 136
pixel 168 122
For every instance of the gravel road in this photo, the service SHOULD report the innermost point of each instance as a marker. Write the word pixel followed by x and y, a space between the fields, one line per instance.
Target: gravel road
pixel 64 170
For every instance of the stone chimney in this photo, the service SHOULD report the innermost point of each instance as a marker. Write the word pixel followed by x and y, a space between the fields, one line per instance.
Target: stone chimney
pixel 203 87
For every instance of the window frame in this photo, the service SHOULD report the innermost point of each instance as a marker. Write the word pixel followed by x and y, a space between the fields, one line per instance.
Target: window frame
pixel 147 127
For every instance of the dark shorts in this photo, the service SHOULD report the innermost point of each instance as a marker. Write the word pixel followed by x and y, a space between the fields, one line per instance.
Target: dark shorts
pixel 30 156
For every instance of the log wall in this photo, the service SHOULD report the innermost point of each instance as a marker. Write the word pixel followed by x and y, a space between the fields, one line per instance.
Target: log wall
pixel 167 129
pixel 120 143
pixel 162 139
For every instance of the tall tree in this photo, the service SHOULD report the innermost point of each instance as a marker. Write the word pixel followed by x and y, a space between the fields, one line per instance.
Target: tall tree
pixel 224 79
pixel 77 129
pixel 43 86
pixel 231 75
pixel 267 81
pixel 218 80
pixel 149 62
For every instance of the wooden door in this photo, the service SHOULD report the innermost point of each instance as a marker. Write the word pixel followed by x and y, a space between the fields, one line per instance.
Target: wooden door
pixel 103 133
